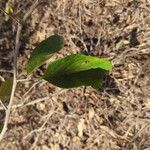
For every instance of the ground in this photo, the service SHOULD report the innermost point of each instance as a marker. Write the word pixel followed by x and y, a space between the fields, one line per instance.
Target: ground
pixel 116 117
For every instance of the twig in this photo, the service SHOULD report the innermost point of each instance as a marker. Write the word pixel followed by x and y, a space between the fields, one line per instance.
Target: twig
pixel 17 46
pixel 14 82
pixel 30 89
pixel 1 78
pixel 36 2
pixel 5 71
pixel 42 128
pixel 3 105
pixel 39 100
pixel 139 132
pixel 80 19
pixel 16 20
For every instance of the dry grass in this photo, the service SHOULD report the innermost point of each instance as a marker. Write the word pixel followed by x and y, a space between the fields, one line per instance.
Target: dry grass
pixel 117 117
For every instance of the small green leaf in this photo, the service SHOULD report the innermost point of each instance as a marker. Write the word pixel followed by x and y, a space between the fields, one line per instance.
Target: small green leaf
pixel 5 90
pixel 44 51
pixel 77 70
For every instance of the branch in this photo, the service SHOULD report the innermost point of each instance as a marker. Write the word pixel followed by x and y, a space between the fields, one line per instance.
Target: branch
pixel 15 53
pixel 14 82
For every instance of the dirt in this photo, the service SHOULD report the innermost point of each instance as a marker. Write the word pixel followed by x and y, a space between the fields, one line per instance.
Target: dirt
pixel 116 117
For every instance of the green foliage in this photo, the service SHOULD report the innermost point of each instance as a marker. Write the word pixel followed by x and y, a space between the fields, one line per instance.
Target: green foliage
pixel 77 70
pixel 5 90
pixel 72 71
pixel 44 51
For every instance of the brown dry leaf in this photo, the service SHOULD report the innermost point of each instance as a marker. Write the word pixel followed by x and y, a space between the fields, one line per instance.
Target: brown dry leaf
pixel 91 113
pixel 76 139
pixel 81 127
pixel 44 147
pixel 40 106
pixel 121 43
pixel 40 36
pixel 147 103
pixel 55 147
pixel 146 90
pixel 109 131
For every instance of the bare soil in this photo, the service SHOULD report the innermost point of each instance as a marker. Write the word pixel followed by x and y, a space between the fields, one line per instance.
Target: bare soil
pixel 45 117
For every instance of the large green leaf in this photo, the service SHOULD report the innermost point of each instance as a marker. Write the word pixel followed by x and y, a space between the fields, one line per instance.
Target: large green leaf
pixel 5 90
pixel 43 52
pixel 77 70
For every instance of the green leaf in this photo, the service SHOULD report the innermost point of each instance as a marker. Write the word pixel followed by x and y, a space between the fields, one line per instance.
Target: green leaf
pixel 5 90
pixel 77 70
pixel 44 51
